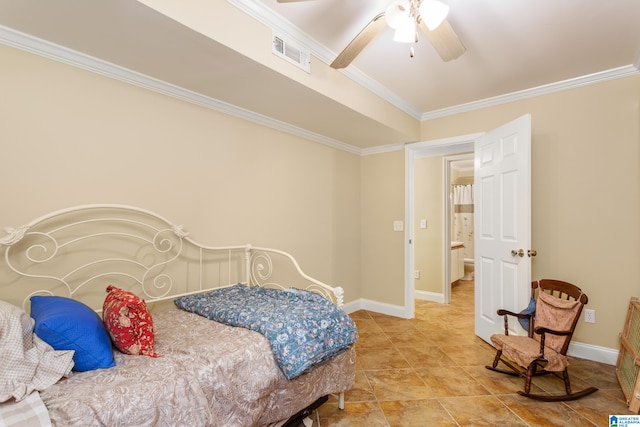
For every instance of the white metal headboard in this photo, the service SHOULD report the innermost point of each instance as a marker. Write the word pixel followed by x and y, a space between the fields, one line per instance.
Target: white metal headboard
pixel 77 252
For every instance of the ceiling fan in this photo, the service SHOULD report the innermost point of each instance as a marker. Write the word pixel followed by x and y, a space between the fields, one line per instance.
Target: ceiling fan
pixel 404 16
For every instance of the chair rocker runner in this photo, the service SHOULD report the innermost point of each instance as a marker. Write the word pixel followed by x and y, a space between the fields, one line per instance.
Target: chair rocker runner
pixel 550 320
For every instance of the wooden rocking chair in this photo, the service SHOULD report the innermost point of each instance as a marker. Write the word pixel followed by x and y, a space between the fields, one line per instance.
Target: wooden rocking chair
pixel 550 319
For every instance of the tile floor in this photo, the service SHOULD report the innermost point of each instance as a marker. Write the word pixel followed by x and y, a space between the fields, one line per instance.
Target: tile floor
pixel 429 371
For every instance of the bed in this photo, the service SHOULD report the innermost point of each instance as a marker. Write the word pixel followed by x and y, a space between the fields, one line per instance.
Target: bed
pixel 155 291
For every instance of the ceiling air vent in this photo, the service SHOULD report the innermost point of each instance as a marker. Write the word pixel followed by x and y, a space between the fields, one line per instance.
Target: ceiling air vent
pixel 292 53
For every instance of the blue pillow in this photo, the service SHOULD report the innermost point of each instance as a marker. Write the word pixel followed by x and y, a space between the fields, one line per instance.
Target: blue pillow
pixel 66 324
pixel 531 308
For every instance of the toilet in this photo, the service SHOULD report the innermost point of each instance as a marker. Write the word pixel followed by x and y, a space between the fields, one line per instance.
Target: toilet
pixel 468 269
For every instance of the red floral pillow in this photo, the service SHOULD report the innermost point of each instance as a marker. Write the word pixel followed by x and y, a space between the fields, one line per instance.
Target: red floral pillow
pixel 128 322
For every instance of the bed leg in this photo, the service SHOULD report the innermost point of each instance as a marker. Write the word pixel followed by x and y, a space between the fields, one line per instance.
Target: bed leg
pixel 341 400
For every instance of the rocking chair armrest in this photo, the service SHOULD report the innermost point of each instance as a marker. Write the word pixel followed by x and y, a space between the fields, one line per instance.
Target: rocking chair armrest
pixel 542 330
pixel 503 312
pixel 507 313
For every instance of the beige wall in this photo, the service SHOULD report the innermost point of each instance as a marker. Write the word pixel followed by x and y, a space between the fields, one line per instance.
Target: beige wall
pixel 428 243
pixel 382 265
pixel 72 137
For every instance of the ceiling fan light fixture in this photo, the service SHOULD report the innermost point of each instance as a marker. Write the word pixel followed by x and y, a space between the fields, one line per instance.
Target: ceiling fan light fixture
pixel 433 12
pixel 396 12
pixel 406 32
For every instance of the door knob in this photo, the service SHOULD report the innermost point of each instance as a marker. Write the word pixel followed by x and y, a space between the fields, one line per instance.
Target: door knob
pixel 532 252
pixel 519 252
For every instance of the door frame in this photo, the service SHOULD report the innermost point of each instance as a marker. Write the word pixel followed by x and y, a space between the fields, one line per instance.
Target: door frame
pixel 439 147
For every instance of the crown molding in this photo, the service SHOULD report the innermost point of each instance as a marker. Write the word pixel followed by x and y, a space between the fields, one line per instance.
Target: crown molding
pixel 46 49
pixel 382 149
pixel 31 44
pixel 268 17
pixel 616 73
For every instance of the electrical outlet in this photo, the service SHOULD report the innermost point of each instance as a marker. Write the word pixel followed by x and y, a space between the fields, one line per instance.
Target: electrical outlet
pixel 589 315
pixel 416 274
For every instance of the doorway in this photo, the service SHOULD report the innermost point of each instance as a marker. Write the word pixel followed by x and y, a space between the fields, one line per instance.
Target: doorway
pixel 413 153
pixel 459 187
pixel 502 219
pixel 439 248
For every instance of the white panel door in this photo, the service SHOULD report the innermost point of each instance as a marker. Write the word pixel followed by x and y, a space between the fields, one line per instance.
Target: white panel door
pixel 503 223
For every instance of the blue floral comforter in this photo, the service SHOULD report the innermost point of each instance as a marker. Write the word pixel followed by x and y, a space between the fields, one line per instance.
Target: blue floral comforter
pixel 303 328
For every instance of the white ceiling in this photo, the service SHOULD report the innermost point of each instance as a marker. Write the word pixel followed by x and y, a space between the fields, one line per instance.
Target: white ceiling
pixel 514 47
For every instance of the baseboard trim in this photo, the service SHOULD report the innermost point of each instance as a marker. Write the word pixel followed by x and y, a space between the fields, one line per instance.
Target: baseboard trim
pixel 429 296
pixel 591 352
pixel 377 307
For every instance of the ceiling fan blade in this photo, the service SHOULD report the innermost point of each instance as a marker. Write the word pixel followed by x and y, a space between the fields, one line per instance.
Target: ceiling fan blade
pixel 444 40
pixel 373 28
